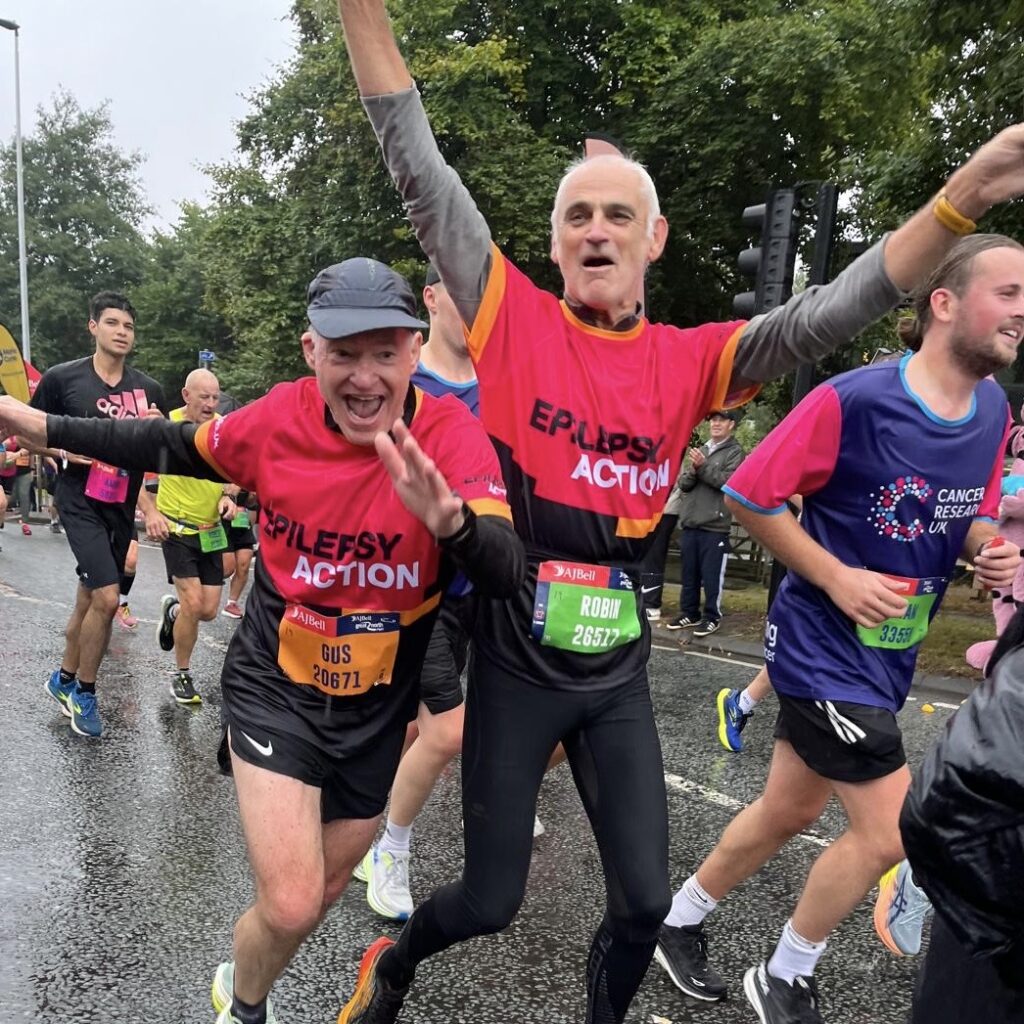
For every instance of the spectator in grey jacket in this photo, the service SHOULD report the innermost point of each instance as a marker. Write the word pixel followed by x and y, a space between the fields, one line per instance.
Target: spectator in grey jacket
pixel 704 537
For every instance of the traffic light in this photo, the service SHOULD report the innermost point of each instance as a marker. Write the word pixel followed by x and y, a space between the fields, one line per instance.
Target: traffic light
pixel 770 263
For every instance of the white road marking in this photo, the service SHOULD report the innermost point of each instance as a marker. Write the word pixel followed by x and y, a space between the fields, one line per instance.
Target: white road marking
pixel 730 803
pixel 701 654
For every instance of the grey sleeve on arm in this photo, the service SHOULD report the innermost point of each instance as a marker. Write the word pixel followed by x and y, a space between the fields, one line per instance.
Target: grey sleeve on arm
pixel 450 228
pixel 817 321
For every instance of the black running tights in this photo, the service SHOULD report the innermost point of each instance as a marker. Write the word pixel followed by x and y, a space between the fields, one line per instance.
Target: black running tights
pixel 612 743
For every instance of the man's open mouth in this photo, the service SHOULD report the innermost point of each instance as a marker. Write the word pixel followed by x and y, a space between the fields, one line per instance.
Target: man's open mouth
pixel 363 408
pixel 597 262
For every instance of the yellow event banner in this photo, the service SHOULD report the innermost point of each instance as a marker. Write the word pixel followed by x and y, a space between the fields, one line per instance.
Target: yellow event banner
pixel 13 378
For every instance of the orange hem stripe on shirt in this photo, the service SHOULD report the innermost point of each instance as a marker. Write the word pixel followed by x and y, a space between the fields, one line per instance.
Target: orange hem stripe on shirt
pixel 637 529
pixel 203 447
pixel 494 292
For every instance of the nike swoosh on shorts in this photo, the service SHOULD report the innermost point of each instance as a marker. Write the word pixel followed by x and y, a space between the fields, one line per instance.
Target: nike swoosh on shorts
pixel 266 751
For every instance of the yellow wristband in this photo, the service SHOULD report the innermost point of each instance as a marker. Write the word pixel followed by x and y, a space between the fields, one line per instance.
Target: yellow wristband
pixel 951 218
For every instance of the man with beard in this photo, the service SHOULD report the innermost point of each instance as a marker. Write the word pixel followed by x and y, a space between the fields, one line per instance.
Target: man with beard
pixel 900 466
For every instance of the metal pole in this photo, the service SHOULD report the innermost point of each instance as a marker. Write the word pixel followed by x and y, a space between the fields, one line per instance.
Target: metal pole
pixel 26 345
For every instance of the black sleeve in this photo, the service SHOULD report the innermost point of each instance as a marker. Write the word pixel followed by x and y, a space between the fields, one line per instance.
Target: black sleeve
pixel 490 553
pixel 149 444
pixel 160 401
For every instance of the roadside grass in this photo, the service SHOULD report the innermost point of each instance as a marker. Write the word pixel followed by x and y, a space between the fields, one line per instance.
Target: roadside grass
pixel 964 618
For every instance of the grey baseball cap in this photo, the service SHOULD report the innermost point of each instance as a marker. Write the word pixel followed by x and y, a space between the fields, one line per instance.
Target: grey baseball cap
pixel 359 295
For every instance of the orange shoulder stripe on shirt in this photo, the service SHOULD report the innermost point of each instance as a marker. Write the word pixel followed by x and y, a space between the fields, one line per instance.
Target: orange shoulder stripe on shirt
pixel 722 399
pixel 202 443
pixel 490 507
pixel 477 337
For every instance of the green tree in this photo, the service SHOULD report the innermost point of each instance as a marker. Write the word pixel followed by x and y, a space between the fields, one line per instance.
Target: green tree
pixel 174 323
pixel 83 211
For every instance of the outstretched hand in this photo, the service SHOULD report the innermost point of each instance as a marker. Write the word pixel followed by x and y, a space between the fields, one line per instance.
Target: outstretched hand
pixel 419 483
pixel 994 174
pixel 27 423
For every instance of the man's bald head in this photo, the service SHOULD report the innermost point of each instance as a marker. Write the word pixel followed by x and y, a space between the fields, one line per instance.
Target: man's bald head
pixel 201 395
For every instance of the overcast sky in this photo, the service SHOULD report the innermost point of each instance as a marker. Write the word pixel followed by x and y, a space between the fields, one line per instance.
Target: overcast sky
pixel 175 74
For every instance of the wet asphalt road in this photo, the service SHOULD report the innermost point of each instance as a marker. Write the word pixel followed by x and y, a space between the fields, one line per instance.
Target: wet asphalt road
pixel 122 867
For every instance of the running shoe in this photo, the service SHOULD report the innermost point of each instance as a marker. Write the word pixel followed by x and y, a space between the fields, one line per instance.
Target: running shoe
pixel 681 622
pixel 124 616
pixel 387 883
pixel 165 627
pixel 706 628
pixel 54 526
pixel 85 713
pixel 182 689
pixel 60 692
pixel 777 1002
pixel 731 720
pixel 222 992
pixel 374 1001
pixel 683 952
pixel 653 614
pixel 26 529
pixel 538 827
pixel 901 910
pixel 233 610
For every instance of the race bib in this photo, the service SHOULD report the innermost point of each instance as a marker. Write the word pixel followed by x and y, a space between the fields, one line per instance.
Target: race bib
pixel 584 608
pixel 911 627
pixel 107 483
pixel 213 538
pixel 241 520
pixel 342 656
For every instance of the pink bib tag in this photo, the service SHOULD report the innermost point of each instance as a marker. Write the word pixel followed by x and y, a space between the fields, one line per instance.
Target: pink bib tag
pixel 107 483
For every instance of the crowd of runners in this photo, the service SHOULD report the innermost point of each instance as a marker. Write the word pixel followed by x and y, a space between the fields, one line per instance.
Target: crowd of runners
pixel 484 500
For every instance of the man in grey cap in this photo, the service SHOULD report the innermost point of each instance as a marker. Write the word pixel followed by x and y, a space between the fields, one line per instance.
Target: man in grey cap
pixel 362 534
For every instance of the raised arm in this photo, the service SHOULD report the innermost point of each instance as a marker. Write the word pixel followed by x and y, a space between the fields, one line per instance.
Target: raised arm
pixel 823 318
pixel 450 228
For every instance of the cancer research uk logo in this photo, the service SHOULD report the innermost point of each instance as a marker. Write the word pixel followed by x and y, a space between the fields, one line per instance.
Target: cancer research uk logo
pixel 884 517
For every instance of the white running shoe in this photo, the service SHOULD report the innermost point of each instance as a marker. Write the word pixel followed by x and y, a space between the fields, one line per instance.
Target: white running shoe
pixel 222 991
pixel 387 883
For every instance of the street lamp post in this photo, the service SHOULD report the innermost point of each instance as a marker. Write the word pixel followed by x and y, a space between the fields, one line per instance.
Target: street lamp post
pixel 26 346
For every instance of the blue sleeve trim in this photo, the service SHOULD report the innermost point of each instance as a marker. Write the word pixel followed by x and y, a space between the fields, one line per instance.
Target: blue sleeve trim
pixel 747 503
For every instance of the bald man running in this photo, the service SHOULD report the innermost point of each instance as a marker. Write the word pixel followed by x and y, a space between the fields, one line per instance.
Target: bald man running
pixel 193 540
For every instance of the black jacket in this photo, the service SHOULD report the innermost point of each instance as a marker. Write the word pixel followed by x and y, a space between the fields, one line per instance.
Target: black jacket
pixel 963 821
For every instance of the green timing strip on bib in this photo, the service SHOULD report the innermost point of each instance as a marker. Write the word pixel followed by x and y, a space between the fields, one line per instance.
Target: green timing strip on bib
pixel 213 539
pixel 584 608
pixel 910 628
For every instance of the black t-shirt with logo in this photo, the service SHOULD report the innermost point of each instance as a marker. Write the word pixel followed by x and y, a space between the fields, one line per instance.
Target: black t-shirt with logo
pixel 76 389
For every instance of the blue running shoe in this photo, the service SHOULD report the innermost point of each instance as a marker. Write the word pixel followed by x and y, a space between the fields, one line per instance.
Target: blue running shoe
pixel 60 692
pixel 85 713
pixel 901 911
pixel 731 720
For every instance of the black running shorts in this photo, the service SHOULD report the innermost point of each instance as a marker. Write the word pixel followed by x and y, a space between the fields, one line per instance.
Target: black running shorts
pixel 185 559
pixel 239 537
pixel 355 786
pixel 99 540
pixel 839 740
pixel 445 660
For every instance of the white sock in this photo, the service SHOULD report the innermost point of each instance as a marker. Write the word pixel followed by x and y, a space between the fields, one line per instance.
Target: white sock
pixel 174 611
pixel 746 702
pixel 690 905
pixel 794 955
pixel 395 838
